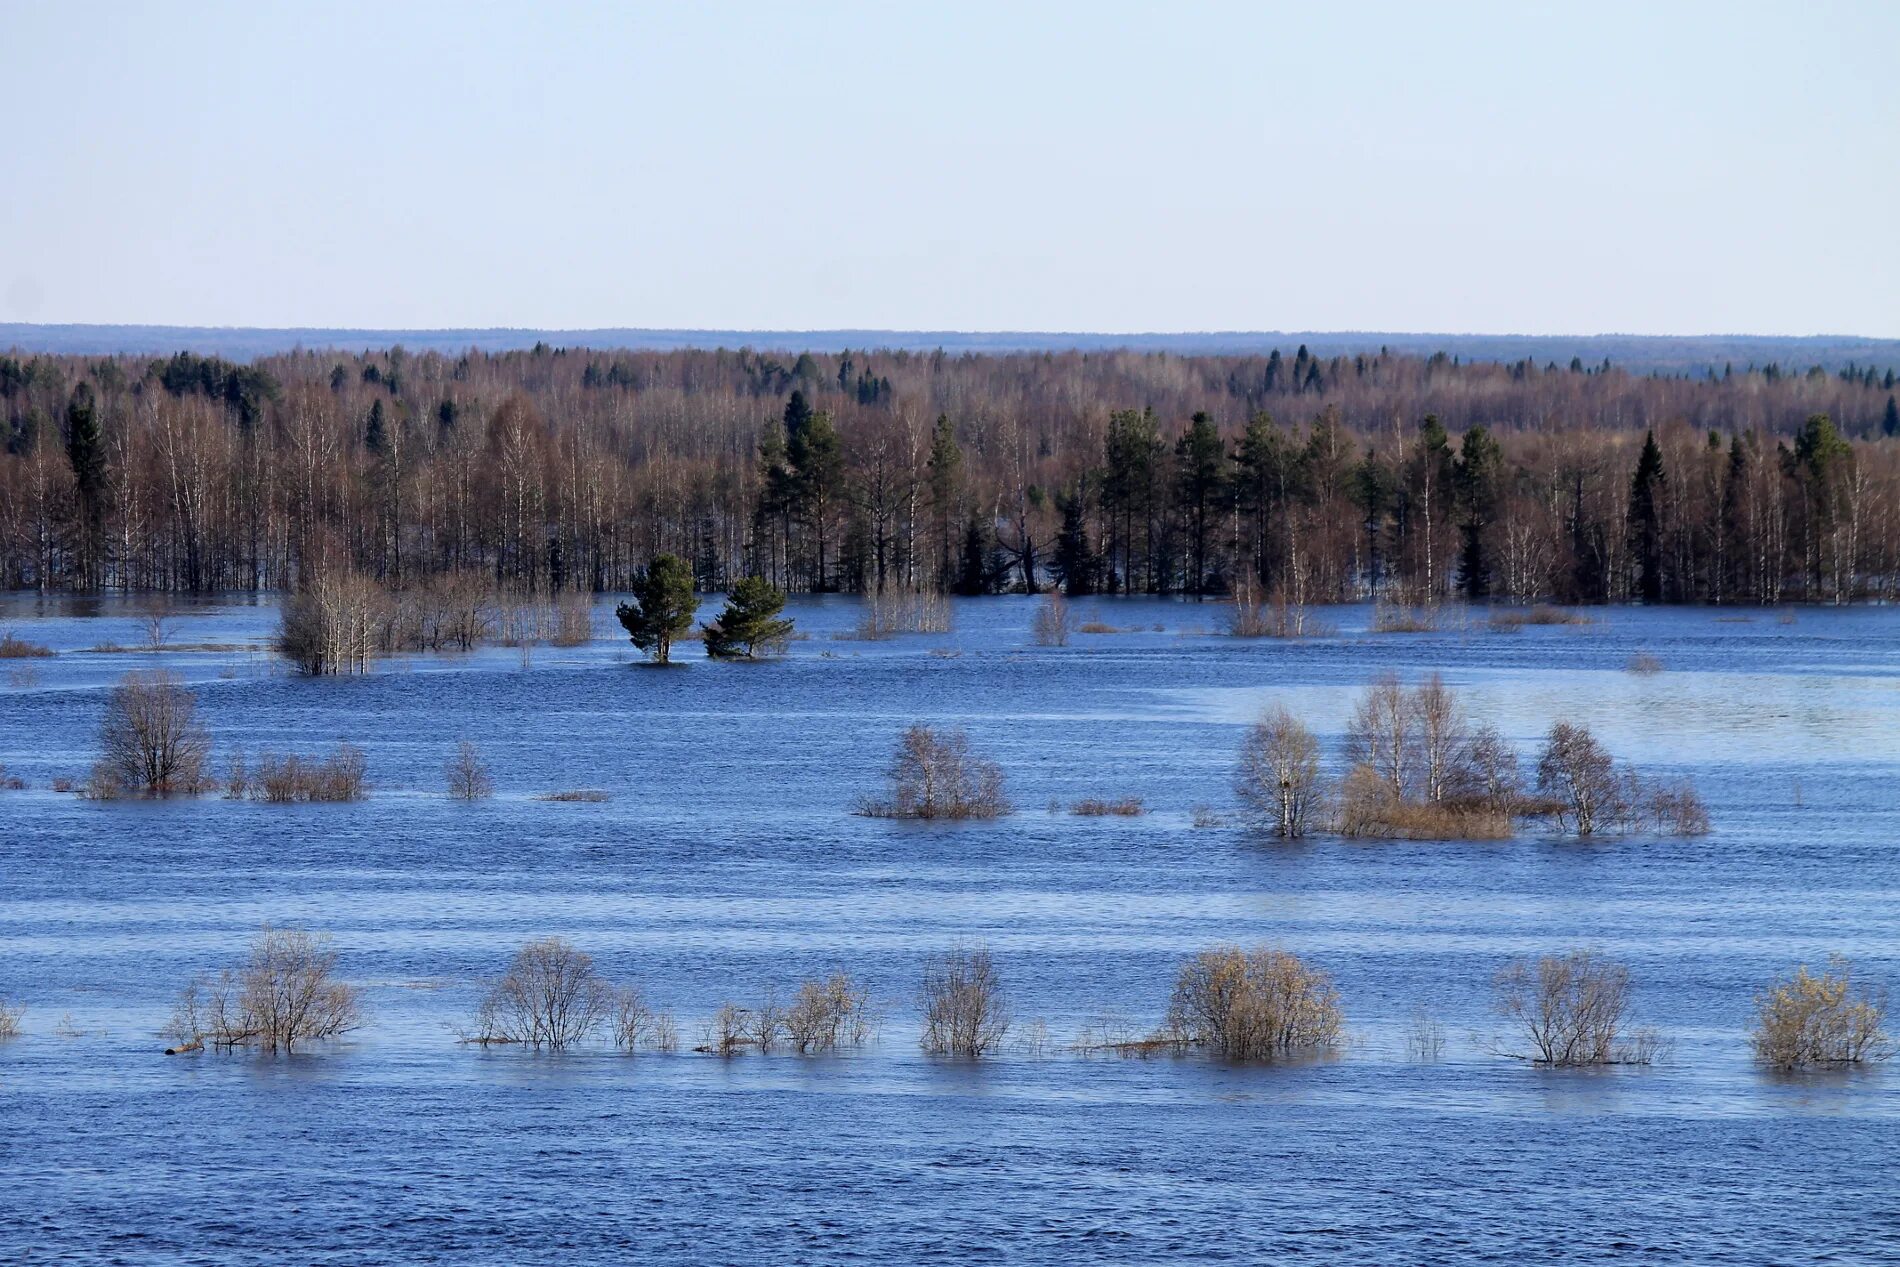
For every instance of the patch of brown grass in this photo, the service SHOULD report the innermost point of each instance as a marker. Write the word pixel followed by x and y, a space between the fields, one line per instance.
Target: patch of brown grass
pixel 15 648
pixel 584 795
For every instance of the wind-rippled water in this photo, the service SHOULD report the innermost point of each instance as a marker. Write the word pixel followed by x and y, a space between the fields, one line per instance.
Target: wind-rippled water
pixel 727 862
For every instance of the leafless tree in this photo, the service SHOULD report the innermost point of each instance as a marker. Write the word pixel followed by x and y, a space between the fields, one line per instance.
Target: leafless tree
pixel 964 1010
pixel 1279 772
pixel 1577 770
pixel 1382 734
pixel 1438 720
pixel 285 995
pixel 934 776
pixel 1808 1021
pixel 468 774
pixel 152 740
pixel 1571 1009
pixel 1263 1004
pixel 828 1014
pixel 549 997
pixel 294 778
pixel 1053 623
pixel 10 1014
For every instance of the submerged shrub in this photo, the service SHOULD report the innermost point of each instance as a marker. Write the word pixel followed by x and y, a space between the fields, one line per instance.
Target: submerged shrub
pixel 1126 807
pixel 286 994
pixel 14 648
pixel 468 775
pixel 1053 623
pixel 1580 773
pixel 152 740
pixel 1571 1010
pixel 292 778
pixel 550 997
pixel 1254 1005
pixel 10 1014
pixel 828 1014
pixel 1804 1021
pixel 964 1010
pixel 933 775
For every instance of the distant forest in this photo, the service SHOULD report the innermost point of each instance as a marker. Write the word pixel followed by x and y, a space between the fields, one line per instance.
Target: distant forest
pixel 1314 478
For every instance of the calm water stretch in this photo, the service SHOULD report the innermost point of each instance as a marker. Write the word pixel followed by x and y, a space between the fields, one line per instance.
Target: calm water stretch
pixel 728 861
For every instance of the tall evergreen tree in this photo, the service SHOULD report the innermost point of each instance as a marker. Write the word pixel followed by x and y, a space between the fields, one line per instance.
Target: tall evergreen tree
pixel 1075 563
pixel 1645 519
pixel 1200 473
pixel 375 431
pixel 945 469
pixel 86 451
pixel 1890 421
pixel 663 607
pixel 1480 469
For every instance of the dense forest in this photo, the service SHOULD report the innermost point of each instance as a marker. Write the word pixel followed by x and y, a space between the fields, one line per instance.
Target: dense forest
pixel 1316 479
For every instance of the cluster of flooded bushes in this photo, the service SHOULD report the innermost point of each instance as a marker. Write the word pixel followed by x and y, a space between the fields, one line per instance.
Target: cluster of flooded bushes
pixel 1237 1005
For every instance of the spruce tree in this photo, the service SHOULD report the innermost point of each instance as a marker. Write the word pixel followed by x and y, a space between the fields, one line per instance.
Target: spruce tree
pixel 1075 557
pixel 1480 468
pixel 750 622
pixel 1645 519
pixel 663 607
pixel 1890 421
pixel 86 451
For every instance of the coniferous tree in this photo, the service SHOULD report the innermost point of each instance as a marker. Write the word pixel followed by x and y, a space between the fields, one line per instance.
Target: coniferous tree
pixel 1075 562
pixel 663 607
pixel 1645 520
pixel 945 467
pixel 750 622
pixel 86 451
pixel 1890 421
pixel 375 432
pixel 1200 473
pixel 1480 469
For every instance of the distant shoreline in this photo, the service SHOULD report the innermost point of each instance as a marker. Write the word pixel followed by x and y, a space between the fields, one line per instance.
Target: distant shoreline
pixel 1642 353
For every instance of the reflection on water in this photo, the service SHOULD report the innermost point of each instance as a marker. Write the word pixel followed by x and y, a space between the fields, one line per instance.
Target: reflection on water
pixel 727 861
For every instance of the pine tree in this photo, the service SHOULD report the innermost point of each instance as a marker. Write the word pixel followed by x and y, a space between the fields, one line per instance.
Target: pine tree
pixel 750 622
pixel 663 607
pixel 946 484
pixel 1890 421
pixel 1645 519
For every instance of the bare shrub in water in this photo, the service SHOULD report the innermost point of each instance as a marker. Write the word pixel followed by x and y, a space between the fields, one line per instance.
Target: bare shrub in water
pixel 1258 1005
pixel 549 997
pixel 293 778
pixel 964 1010
pixel 10 1014
pixel 934 776
pixel 1804 1021
pixel 1053 623
pixel 828 1014
pixel 1279 773
pixel 285 995
pixel 468 775
pixel 15 648
pixel 152 740
pixel 1569 1010
pixel 335 624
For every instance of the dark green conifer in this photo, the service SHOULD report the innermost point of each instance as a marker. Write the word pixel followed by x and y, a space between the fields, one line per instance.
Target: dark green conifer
pixel 663 607
pixel 750 622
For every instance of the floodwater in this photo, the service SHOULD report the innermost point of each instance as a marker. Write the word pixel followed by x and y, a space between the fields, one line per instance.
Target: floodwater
pixel 727 862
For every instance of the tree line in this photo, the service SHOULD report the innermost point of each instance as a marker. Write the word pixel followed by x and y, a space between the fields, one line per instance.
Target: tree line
pixel 1319 479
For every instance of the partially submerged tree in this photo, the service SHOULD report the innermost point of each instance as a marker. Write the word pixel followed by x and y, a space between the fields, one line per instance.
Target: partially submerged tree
pixel 663 607
pixel 286 995
pixel 1263 1004
pixel 1805 1021
pixel 1052 624
pixel 750 622
pixel 1279 772
pixel 468 775
pixel 933 775
pixel 964 1010
pixel 1569 1010
pixel 549 997
pixel 828 1014
pixel 1580 773
pixel 153 742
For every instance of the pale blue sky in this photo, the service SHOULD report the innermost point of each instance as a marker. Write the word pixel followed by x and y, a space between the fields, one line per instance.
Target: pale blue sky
pixel 1650 168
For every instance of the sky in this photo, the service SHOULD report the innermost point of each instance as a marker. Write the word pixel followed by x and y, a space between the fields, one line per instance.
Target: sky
pixel 1575 168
